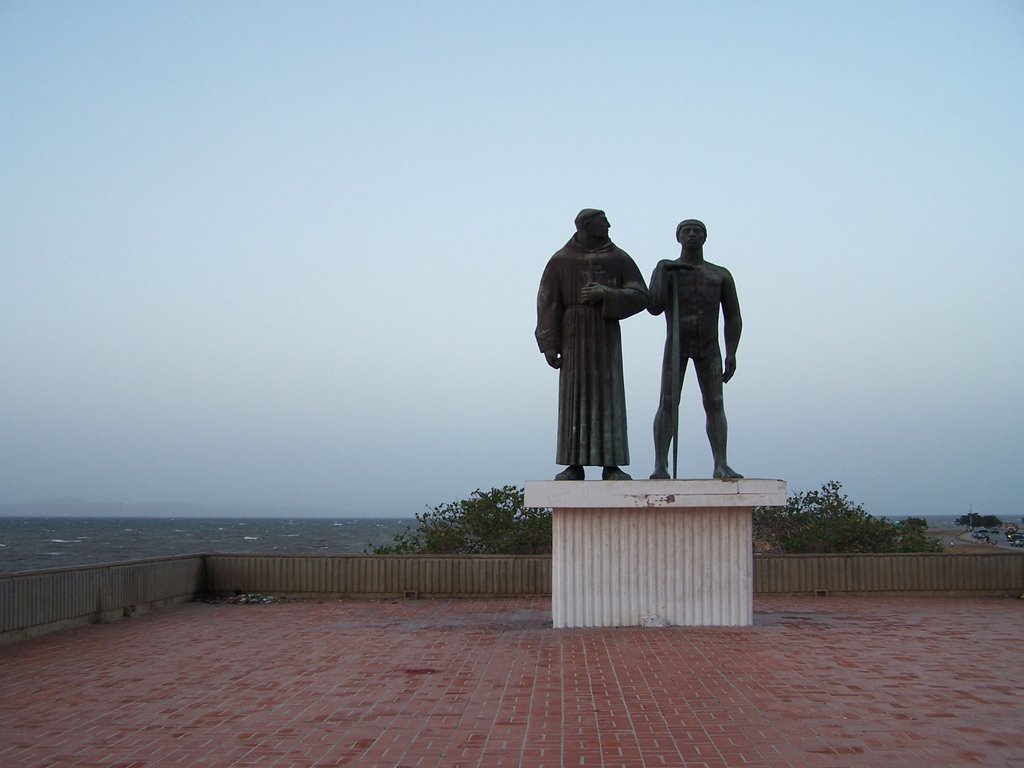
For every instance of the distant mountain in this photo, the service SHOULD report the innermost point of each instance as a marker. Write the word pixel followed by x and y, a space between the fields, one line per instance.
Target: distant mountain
pixel 71 507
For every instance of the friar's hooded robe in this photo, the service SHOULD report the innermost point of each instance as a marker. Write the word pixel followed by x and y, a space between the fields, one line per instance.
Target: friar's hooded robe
pixel 591 392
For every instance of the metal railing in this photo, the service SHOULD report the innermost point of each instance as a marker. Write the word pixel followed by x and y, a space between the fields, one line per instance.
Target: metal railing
pixel 916 573
pixel 380 575
pixel 37 602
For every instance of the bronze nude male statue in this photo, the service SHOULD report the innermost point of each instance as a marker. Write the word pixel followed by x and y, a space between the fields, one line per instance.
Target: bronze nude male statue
pixel 690 291
pixel 587 287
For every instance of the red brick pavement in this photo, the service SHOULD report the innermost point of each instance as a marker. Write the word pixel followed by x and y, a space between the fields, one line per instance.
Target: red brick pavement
pixel 816 682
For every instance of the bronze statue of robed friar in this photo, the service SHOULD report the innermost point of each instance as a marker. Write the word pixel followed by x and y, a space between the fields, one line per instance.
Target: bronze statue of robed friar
pixel 588 286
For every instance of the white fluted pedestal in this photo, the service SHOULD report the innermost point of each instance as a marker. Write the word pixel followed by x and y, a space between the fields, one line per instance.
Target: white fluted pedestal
pixel 653 552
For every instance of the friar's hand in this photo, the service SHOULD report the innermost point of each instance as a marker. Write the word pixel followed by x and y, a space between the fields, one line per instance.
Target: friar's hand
pixel 730 367
pixel 592 293
pixel 554 358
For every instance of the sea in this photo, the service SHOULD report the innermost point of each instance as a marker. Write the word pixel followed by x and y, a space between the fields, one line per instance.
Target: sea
pixel 32 543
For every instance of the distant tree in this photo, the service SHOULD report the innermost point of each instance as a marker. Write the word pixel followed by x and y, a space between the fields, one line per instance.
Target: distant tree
pixel 912 536
pixel 828 521
pixel 974 520
pixel 493 522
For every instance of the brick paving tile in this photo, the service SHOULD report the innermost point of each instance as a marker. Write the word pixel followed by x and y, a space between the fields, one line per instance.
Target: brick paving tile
pixel 815 683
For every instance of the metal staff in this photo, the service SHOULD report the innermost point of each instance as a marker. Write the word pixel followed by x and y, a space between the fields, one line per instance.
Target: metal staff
pixel 674 363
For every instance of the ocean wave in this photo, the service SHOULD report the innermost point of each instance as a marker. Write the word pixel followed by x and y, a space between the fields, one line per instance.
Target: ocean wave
pixel 98 540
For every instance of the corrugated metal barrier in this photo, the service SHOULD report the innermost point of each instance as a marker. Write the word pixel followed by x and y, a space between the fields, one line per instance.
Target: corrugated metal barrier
pixel 380 575
pixel 37 602
pixel 917 573
pixel 495 575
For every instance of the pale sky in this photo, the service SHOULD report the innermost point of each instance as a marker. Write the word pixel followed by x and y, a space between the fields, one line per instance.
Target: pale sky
pixel 288 253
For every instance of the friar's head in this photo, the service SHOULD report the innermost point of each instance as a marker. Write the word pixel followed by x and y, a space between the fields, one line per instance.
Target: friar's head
pixel 592 227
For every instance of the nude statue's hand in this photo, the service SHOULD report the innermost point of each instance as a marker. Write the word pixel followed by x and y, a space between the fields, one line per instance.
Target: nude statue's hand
pixel 676 265
pixel 554 359
pixel 730 368
pixel 592 293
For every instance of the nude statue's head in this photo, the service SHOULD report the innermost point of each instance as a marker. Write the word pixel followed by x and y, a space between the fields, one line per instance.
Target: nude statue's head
pixel 593 222
pixel 691 229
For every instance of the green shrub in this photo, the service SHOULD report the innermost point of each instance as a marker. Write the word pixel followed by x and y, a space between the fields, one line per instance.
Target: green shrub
pixel 493 522
pixel 828 521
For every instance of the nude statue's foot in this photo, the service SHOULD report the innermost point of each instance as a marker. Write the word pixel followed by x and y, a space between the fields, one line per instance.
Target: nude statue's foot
pixel 660 473
pixel 573 472
pixel 725 472
pixel 614 473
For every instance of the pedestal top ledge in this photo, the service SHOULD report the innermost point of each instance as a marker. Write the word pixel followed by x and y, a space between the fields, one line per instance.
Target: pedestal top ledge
pixel 644 494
